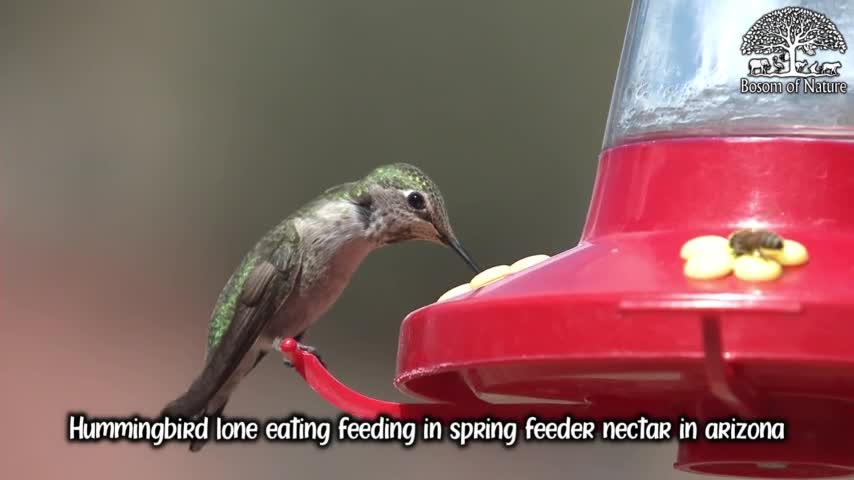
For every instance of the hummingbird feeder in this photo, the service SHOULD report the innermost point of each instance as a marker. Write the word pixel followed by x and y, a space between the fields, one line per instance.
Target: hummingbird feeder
pixel 726 115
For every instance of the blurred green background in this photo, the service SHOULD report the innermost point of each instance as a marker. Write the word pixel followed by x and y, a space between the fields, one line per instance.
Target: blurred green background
pixel 146 145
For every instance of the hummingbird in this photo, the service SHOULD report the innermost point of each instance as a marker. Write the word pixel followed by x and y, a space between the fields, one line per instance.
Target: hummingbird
pixel 300 267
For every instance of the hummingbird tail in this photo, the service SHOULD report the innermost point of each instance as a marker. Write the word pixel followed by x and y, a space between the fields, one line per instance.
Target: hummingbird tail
pixel 197 445
pixel 204 398
pixel 186 406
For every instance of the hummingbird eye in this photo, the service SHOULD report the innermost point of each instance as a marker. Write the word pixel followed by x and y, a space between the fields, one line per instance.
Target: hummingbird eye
pixel 416 201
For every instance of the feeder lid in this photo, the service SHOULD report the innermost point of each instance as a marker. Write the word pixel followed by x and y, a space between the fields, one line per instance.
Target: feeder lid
pixel 685 63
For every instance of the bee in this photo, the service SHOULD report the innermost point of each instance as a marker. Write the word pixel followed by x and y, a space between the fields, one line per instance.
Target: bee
pixel 752 242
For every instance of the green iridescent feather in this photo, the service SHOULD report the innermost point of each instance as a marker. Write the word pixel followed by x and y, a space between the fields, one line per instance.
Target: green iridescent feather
pixel 227 302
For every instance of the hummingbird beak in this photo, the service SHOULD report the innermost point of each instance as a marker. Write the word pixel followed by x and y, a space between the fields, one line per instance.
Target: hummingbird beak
pixel 458 248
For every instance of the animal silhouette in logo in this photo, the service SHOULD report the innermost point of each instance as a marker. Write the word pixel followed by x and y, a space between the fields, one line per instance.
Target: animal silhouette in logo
pixel 779 37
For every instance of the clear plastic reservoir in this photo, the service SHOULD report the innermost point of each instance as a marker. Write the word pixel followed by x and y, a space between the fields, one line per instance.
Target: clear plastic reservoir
pixel 733 68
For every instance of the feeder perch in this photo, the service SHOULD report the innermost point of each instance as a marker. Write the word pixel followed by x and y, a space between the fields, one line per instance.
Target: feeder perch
pixel 612 328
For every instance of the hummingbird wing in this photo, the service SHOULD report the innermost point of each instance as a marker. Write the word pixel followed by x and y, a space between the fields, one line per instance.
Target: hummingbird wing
pixel 265 290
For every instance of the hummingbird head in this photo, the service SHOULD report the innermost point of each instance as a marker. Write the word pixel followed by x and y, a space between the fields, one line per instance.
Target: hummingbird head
pixel 399 202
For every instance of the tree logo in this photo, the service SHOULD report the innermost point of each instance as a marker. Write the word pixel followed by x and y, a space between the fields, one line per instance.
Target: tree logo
pixel 781 44
pixel 786 38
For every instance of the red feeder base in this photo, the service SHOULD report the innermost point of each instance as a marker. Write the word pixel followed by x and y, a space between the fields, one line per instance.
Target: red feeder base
pixel 612 328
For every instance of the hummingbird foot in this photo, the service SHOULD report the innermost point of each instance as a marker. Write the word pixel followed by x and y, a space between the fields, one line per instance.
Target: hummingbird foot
pixel 305 348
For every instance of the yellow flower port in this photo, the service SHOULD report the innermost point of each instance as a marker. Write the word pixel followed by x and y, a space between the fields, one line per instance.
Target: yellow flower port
pixel 709 257
pixel 492 275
